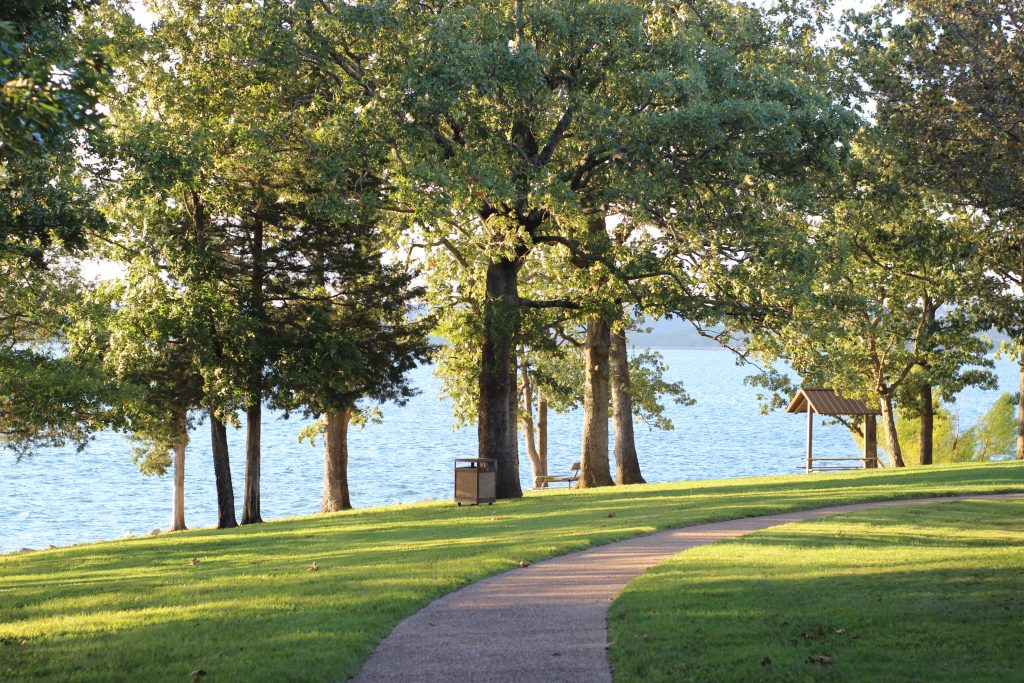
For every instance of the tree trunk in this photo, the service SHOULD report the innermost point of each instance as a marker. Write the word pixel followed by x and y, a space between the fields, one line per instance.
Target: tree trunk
pixel 891 438
pixel 336 462
pixel 627 465
pixel 927 424
pixel 178 501
pixel 496 420
pixel 927 405
pixel 526 419
pixel 542 430
pixel 251 503
pixel 222 473
pixel 1020 406
pixel 594 466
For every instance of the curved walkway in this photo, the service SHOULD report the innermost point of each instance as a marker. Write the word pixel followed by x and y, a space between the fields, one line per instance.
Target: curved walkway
pixel 548 622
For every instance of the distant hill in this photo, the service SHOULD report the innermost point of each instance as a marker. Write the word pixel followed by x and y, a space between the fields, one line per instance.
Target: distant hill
pixel 665 334
pixel 671 334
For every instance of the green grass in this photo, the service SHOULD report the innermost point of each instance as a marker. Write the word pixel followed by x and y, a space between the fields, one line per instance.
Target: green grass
pixel 925 593
pixel 250 610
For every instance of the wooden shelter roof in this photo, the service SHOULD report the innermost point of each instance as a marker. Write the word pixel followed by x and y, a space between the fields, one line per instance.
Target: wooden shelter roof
pixel 828 402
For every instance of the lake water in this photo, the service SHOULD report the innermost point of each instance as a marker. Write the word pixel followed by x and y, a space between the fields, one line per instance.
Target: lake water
pixel 61 497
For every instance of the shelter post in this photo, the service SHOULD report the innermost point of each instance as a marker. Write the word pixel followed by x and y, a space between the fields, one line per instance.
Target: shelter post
pixel 810 438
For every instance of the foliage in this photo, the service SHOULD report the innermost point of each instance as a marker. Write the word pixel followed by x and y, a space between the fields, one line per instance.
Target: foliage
pixel 992 437
pixel 50 78
pixel 251 609
pixel 946 79
pixel 820 600
pixel 47 398
pixel 883 304
pixel 255 192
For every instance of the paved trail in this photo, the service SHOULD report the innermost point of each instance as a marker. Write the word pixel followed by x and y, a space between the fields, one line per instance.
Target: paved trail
pixel 548 622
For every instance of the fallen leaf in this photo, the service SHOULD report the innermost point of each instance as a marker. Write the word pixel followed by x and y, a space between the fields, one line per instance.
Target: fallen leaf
pixel 819 660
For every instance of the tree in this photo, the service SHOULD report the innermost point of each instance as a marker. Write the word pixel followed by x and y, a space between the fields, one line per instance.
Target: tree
pixel 140 329
pixel 353 343
pixel 946 78
pixel 526 120
pixel 269 202
pixel 866 318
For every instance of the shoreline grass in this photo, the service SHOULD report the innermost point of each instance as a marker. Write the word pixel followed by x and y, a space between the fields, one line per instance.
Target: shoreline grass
pixel 928 592
pixel 249 608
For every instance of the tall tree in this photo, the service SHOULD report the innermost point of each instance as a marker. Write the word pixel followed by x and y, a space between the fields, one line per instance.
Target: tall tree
pixel 946 78
pixel 526 119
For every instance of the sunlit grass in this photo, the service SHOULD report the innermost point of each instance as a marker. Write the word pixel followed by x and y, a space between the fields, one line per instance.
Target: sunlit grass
pixel 250 609
pixel 929 593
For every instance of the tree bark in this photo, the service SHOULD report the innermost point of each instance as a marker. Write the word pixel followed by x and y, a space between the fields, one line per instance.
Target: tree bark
pixel 594 465
pixel 891 438
pixel 627 465
pixel 926 445
pixel 251 502
pixel 1020 405
pixel 336 462
pixel 927 424
pixel 222 473
pixel 496 420
pixel 526 419
pixel 542 430
pixel 178 500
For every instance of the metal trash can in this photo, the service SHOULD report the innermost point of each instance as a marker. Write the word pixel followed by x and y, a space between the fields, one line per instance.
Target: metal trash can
pixel 476 480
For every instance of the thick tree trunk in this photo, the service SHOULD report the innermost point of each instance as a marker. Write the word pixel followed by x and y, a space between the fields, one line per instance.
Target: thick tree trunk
pixel 222 473
pixel 926 446
pixel 178 500
pixel 496 420
pixel 927 424
pixel 891 438
pixel 1020 406
pixel 336 462
pixel 251 503
pixel 542 430
pixel 627 465
pixel 594 466
pixel 526 419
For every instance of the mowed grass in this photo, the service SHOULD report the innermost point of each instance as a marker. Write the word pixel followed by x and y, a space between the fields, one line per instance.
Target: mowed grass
pixel 918 593
pixel 250 609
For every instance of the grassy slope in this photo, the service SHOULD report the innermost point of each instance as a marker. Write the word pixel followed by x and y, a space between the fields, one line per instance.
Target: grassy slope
pixel 250 610
pixel 909 594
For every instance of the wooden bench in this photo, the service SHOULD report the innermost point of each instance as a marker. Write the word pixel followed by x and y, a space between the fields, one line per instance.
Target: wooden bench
pixel 570 479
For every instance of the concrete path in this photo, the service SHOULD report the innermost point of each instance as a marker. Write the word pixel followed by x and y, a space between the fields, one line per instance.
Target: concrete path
pixel 548 622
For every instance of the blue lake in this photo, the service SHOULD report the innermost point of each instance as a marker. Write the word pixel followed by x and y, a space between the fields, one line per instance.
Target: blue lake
pixel 61 497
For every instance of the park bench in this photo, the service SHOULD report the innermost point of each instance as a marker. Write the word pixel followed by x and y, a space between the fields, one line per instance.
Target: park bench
pixel 570 479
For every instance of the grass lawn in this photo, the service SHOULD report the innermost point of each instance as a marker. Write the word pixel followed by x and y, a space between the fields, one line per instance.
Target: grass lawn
pixel 930 593
pixel 250 609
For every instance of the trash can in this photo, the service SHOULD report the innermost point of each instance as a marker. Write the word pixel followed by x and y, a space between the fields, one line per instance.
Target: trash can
pixel 476 480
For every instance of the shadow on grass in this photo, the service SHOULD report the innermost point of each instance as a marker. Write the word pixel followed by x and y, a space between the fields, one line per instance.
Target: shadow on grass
pixel 879 597
pixel 251 609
